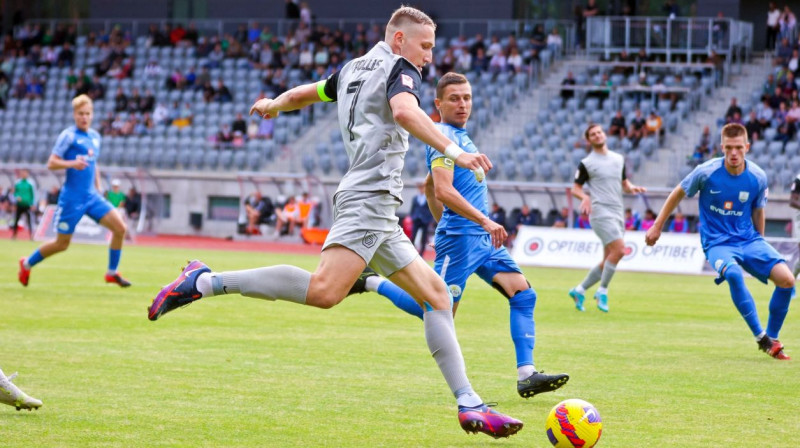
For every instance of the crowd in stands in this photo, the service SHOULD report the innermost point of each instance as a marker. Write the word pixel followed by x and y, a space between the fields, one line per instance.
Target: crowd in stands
pixel 285 215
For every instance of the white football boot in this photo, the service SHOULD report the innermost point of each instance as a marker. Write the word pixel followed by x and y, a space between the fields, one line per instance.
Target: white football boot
pixel 11 395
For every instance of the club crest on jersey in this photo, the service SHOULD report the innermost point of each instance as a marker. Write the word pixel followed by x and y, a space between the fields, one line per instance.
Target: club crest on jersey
pixel 744 196
pixel 407 81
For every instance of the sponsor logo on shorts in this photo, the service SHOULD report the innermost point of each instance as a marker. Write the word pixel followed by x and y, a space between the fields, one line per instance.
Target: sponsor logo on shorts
pixel 533 246
pixel 630 250
pixel 455 291
pixel 63 226
pixel 718 264
pixel 369 239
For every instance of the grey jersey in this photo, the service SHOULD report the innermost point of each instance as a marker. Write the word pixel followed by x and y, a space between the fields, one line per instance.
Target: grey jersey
pixel 604 173
pixel 375 144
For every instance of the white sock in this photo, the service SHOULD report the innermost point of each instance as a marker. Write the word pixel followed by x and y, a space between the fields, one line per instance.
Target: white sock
pixel 602 290
pixel 579 289
pixel 525 371
pixel 761 336
pixel 469 400
pixel 110 272
pixel 26 264
pixel 204 284
pixel 373 282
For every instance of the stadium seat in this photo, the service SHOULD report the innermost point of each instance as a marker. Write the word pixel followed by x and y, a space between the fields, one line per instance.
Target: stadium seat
pixel 342 162
pixel 775 148
pixel 565 170
pixel 546 170
pixel 528 170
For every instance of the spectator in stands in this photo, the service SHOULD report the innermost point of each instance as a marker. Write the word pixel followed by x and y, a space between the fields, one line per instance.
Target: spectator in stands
pixel 305 14
pixel 617 127
pixel 554 41
pixel 764 114
pixel 794 62
pixel 224 136
pixel 538 40
pixel 208 92
pixel 787 23
pixel 239 124
pixel 514 60
pixel 789 85
pixel 784 51
pixel 648 221
pixel 679 224
pixel 631 220
pixel 526 217
pixel 769 86
pixel 591 9
pixel 116 196
pixel 464 62
pixel 288 217
pixel 733 108
pixel 223 94
pixel 561 220
pixel 671 9
pixel 793 115
pixel 637 130
pixel 306 205
pixel 134 101
pixel 161 115
pixel 133 203
pixel 153 70
pixel 566 94
pixel 703 148
pixel 653 125
pixel 265 129
pixel 34 89
pixel 753 126
pixel 642 56
pixel 480 62
pixel 494 47
pixel 20 89
pixel 498 214
pixel 776 99
pixel 147 102
pixel 259 210
pixel 446 62
pixel 120 101
pixel 191 36
pixel 498 63
pixel 97 91
pixel 773 25
pixel 215 57
pixel 292 10
pixel 583 222
pixel 66 58
pixel 785 132
pixel 52 196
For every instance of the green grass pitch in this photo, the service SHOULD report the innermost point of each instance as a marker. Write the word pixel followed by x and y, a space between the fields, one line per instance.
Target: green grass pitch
pixel 672 365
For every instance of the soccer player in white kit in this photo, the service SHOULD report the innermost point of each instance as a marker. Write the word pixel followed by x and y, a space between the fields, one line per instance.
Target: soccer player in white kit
pixel 378 106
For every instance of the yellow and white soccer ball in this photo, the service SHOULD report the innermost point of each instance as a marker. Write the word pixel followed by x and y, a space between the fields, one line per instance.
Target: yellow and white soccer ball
pixel 573 423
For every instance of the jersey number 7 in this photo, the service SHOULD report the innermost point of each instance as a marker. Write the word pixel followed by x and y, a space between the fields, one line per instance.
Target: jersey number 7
pixel 353 87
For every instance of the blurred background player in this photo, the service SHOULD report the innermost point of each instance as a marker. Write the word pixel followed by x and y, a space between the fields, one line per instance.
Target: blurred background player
pixel 733 194
pixel 794 201
pixel 378 106
pixel 604 171
pixel 421 218
pixel 76 151
pixel 12 395
pixel 24 194
pixel 467 241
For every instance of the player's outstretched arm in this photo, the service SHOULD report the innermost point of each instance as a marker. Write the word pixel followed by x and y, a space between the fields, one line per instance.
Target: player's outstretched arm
pixel 57 163
pixel 449 196
pixel 674 198
pixel 407 114
pixel 293 99
pixel 434 205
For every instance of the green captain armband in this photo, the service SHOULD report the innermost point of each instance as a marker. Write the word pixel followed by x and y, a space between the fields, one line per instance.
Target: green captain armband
pixel 321 91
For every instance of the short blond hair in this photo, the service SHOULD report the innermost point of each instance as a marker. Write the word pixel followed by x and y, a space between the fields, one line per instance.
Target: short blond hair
pixel 733 130
pixel 80 101
pixel 405 15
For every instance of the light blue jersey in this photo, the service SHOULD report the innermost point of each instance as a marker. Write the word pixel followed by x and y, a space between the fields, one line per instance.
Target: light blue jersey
pixel 73 144
pixel 476 193
pixel 727 202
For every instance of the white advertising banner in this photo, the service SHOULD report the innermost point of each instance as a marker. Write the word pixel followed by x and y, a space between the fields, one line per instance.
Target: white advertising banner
pixel 580 248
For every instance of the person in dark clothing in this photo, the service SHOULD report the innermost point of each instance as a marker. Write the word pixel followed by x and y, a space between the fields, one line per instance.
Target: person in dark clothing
pixel 421 218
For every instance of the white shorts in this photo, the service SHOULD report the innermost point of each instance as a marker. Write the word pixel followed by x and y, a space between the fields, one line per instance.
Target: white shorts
pixel 608 229
pixel 365 222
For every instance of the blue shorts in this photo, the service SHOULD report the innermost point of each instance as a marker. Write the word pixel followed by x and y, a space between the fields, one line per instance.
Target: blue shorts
pixel 70 212
pixel 757 257
pixel 459 256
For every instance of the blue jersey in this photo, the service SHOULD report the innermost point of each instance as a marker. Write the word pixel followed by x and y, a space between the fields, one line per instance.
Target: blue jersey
pixel 72 144
pixel 726 201
pixel 464 182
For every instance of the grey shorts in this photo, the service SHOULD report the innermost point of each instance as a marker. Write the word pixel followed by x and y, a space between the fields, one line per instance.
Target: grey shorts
pixel 608 229
pixel 365 222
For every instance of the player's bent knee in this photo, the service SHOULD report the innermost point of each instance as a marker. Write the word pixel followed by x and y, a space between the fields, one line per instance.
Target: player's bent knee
pixel 784 281
pixel 733 274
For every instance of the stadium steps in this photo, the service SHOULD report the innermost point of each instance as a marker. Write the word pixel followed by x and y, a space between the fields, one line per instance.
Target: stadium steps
pixel 678 146
pixel 290 156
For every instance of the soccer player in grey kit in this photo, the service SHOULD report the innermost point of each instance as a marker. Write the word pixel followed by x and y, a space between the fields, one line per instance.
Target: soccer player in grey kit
pixel 604 171
pixel 378 106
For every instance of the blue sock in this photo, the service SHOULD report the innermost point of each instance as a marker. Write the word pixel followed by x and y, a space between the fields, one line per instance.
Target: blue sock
pixel 522 327
pixel 113 259
pixel 400 298
pixel 742 299
pixel 778 307
pixel 35 258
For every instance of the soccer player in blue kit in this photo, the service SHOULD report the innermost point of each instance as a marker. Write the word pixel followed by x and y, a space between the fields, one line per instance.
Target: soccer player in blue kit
pixel 76 151
pixel 468 242
pixel 732 196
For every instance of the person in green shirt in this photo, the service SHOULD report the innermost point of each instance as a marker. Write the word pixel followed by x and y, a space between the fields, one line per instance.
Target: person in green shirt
pixel 115 196
pixel 23 196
